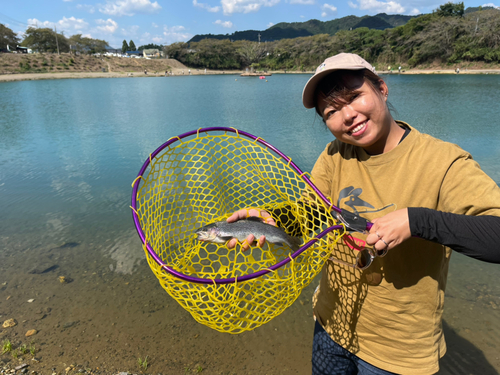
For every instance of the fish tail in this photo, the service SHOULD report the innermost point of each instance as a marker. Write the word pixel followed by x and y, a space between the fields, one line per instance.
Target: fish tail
pixel 295 242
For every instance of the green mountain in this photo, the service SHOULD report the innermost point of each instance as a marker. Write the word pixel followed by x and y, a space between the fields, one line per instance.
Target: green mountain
pixel 477 9
pixel 286 30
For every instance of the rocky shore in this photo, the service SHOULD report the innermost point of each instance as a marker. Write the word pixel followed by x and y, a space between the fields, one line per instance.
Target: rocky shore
pixel 184 72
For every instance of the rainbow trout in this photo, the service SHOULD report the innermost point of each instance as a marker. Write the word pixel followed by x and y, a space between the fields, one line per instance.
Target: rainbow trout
pixel 222 231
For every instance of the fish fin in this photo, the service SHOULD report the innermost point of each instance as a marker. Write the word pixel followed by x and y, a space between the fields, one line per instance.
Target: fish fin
pixel 255 218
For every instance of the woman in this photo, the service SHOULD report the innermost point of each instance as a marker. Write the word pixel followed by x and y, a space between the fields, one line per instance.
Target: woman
pixel 424 197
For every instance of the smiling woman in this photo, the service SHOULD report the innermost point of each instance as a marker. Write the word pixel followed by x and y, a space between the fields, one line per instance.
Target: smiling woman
pixel 379 162
pixel 386 318
pixel 355 110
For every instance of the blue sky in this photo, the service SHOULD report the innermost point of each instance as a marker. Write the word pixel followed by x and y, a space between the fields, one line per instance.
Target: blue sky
pixel 169 21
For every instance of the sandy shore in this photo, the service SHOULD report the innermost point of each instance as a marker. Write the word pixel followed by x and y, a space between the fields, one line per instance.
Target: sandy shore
pixel 71 75
pixel 177 72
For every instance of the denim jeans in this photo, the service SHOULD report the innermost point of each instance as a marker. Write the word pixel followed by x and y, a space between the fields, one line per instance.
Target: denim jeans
pixel 329 358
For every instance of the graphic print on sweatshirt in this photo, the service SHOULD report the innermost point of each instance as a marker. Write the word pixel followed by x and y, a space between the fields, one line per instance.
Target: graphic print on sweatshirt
pixel 350 197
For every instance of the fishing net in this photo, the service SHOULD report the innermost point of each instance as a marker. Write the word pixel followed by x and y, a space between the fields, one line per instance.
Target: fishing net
pixel 204 176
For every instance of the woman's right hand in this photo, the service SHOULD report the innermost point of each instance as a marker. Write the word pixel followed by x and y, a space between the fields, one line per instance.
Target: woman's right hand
pixel 243 214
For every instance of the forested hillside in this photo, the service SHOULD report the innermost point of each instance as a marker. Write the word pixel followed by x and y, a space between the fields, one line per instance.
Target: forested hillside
pixel 447 36
pixel 285 30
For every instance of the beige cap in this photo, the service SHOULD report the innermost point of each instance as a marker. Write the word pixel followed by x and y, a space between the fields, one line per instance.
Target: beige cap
pixel 342 61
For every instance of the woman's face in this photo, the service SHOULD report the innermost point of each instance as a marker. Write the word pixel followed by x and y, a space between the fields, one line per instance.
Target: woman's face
pixel 365 121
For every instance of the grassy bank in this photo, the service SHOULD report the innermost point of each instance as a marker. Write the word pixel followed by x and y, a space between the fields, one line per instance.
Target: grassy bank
pixel 11 63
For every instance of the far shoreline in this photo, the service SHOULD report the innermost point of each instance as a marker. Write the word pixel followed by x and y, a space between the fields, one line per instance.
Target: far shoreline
pixel 182 72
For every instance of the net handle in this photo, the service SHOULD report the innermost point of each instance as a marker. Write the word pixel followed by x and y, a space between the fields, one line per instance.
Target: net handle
pixel 169 269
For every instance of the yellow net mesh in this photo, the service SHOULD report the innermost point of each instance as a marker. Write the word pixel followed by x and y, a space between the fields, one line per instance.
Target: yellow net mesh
pixel 205 178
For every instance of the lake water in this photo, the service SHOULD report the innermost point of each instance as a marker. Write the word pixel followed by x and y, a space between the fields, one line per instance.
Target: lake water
pixel 69 151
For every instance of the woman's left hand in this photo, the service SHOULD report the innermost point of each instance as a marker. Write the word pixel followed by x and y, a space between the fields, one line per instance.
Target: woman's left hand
pixel 390 230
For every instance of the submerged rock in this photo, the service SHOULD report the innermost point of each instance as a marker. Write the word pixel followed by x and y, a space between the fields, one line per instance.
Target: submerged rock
pixel 9 323
pixel 31 332
pixel 43 268
pixel 70 324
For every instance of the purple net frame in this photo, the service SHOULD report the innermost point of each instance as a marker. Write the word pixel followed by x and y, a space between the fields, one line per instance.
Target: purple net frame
pixel 244 277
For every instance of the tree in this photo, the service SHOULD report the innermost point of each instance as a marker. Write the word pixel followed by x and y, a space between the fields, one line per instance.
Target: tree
pixel 450 9
pixel 96 45
pixel 45 40
pixel 87 45
pixel 251 52
pixel 7 37
pixel 213 54
pixel 150 46
pixel 131 46
pixel 177 51
pixel 77 43
pixel 124 46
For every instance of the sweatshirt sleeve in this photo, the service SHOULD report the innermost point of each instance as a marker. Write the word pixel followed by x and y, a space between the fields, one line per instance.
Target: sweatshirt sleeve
pixel 475 236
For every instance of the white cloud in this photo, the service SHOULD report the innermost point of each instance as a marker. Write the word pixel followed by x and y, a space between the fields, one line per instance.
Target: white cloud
pixel 270 24
pixel 37 23
pixel 206 7
pixel 131 31
pixel 303 2
pixel 147 38
pixel 245 6
pixel 107 26
pixel 227 24
pixel 73 23
pixel 491 5
pixel 379 6
pixel 69 25
pixel 67 1
pixel 327 10
pixel 86 8
pixel 175 34
pixel 154 25
pixel 129 7
pixel 174 28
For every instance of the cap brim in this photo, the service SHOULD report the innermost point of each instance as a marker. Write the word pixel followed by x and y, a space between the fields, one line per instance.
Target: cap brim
pixel 308 94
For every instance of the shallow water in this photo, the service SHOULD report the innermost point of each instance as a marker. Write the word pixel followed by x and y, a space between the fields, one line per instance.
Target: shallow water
pixel 69 150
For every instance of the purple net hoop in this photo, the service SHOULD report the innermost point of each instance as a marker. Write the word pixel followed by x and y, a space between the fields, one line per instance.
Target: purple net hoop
pixel 246 277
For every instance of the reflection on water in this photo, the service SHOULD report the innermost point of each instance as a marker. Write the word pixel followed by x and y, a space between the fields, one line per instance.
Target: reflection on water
pixel 69 150
pixel 123 253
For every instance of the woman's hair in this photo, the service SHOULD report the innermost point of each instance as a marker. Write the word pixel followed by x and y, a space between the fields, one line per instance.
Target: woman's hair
pixel 336 90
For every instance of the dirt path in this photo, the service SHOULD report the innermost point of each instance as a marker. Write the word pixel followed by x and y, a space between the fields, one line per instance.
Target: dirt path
pixel 109 66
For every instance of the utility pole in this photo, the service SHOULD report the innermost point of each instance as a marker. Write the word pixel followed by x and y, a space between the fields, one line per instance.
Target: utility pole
pixel 55 28
pixel 259 37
